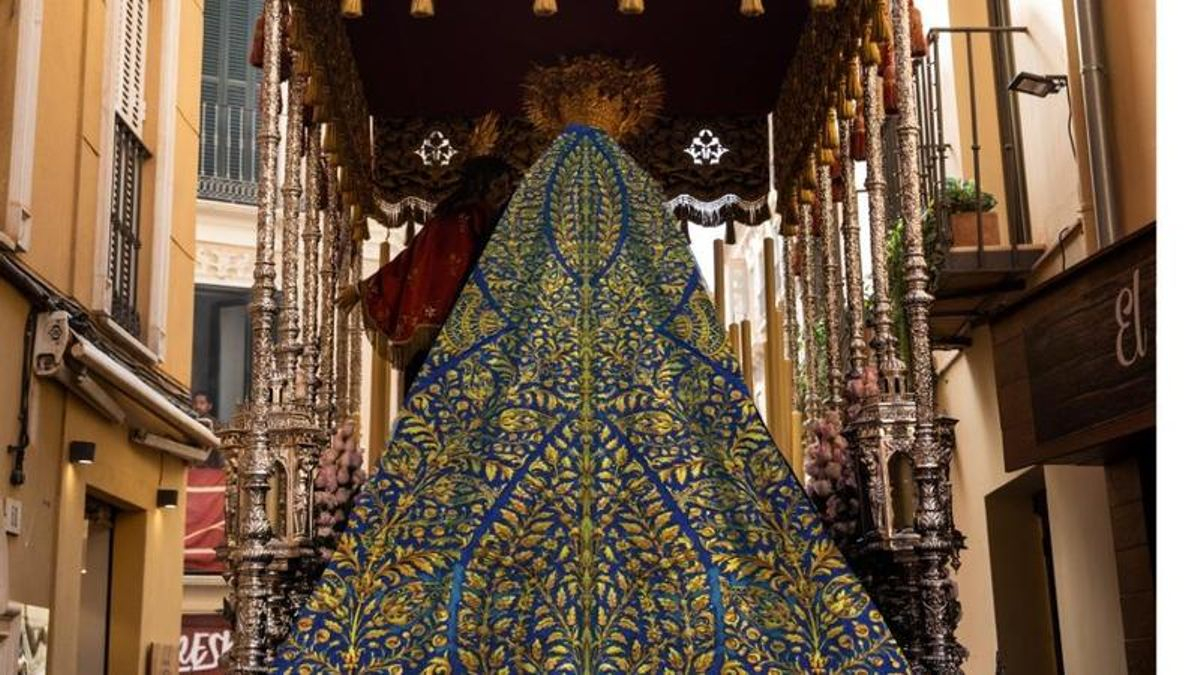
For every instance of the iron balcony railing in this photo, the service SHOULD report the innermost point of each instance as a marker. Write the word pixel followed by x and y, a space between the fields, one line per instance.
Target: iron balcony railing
pixel 933 144
pixel 228 154
pixel 129 156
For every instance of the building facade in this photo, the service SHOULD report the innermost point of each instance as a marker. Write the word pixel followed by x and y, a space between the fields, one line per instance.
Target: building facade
pixel 99 128
pixel 1046 356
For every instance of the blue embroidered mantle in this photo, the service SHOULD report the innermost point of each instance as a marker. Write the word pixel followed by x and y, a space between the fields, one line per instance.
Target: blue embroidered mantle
pixel 581 482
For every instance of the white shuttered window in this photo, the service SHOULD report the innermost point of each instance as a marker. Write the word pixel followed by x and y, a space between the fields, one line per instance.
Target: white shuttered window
pixel 131 63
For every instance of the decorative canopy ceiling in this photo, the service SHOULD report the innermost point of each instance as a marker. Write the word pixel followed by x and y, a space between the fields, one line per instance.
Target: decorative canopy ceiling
pixel 473 54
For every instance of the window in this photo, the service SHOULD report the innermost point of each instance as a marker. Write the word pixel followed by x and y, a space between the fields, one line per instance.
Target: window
pixel 221 347
pixel 129 155
pixel 228 86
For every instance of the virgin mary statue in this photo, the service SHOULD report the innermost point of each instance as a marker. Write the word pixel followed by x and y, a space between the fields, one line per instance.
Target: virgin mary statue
pixel 580 481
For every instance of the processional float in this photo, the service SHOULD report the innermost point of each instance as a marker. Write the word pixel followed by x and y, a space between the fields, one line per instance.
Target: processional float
pixel 891 507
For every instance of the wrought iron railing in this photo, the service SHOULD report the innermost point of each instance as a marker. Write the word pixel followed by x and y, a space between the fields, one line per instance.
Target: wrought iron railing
pixel 228 158
pixel 124 243
pixel 933 144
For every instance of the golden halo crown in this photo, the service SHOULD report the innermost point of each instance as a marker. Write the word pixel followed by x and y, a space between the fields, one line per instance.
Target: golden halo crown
pixel 618 97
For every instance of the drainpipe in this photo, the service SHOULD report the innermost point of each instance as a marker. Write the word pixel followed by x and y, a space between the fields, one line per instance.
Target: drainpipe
pixel 1095 105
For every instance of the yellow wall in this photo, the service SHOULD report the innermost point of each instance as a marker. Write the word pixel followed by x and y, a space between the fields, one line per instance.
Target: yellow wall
pixel 46 559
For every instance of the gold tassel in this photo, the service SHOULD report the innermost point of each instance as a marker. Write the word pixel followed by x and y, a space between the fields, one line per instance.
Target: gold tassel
pixel 827 157
pixel 352 9
pixel 831 130
pixel 752 8
pixel 824 5
pixel 854 83
pixel 630 6
pixel 846 106
pixel 871 55
pixel 545 7
pixel 808 180
pixel 882 25
pixel 808 196
pixel 421 9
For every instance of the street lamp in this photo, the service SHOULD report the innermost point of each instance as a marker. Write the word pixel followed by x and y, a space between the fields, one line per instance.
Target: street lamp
pixel 1038 85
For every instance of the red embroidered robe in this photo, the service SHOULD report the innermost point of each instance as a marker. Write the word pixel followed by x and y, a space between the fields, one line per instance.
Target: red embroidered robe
pixel 409 299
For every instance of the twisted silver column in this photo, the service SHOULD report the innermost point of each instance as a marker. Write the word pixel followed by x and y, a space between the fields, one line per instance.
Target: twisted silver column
pixel 940 653
pixel 252 556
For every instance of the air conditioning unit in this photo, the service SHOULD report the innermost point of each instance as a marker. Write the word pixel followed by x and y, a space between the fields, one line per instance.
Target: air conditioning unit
pixel 50 348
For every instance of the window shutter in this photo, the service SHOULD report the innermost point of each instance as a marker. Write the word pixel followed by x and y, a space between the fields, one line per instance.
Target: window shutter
pixel 131 70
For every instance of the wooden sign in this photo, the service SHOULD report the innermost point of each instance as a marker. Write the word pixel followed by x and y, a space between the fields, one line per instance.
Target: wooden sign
pixel 1075 359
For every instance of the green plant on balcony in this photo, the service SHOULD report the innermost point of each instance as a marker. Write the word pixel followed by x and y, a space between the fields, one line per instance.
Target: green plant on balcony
pixel 959 197
pixel 970 218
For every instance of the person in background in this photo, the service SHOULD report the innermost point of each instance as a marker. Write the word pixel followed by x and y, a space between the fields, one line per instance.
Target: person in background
pixel 203 406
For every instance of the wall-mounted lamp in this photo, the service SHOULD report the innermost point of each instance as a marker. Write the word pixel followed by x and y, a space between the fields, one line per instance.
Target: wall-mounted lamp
pixel 1038 85
pixel 167 498
pixel 81 452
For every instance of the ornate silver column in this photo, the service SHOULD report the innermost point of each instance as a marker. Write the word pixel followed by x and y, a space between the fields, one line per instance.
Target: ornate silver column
pixel 830 247
pixel 808 300
pixel 250 558
pixel 937 544
pixel 288 351
pixel 851 251
pixel 328 313
pixel 892 371
pixel 310 356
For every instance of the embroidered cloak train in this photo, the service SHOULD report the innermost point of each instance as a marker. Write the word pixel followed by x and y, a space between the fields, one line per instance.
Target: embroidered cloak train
pixel 580 481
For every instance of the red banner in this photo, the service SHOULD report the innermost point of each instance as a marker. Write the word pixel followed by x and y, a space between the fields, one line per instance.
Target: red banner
pixel 205 528
pixel 202 641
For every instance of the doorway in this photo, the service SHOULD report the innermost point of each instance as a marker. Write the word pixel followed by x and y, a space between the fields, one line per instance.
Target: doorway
pixel 95 593
pixel 1027 630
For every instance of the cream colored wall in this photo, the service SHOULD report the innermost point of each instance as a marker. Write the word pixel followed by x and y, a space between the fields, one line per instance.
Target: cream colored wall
pixel 967 391
pixel 1085 570
pixel 1084 560
pixel 973 14
pixel 1051 172
pixel 1130 41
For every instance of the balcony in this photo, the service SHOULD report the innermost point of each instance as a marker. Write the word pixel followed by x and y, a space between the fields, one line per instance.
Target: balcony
pixel 982 251
pixel 228 155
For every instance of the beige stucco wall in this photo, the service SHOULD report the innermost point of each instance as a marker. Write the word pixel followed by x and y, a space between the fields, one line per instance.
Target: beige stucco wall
pixel 1085 570
pixel 46 559
pixel 1084 561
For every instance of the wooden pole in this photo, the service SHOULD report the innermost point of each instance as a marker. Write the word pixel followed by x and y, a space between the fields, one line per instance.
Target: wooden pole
pixel 381 395
pixel 735 344
pixel 719 279
pixel 748 356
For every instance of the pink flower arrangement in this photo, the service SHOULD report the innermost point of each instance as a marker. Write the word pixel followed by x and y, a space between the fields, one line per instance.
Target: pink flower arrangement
pixel 336 483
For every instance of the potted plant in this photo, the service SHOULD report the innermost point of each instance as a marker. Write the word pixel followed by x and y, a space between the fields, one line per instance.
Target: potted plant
pixel 959 199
